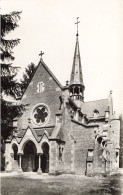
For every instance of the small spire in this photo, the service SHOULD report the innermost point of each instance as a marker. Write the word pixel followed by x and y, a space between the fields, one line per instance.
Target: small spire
pixel 41 54
pixel 77 26
pixel 76 84
pixel 76 74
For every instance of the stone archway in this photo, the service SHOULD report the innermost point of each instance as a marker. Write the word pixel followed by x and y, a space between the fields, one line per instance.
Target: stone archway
pixel 30 158
pixel 45 158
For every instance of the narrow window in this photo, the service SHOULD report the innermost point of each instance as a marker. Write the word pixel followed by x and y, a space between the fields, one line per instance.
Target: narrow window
pixel 40 87
pixel 58 119
pixel 90 152
pixel 60 153
pixel 105 133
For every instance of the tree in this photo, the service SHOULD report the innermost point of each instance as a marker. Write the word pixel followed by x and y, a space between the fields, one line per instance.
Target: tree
pixel 27 76
pixel 9 85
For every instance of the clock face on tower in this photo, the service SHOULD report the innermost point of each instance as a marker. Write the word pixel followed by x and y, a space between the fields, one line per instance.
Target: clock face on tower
pixel 40 114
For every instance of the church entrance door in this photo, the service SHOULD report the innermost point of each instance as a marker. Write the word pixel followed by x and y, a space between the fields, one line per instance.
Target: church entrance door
pixel 45 158
pixel 29 159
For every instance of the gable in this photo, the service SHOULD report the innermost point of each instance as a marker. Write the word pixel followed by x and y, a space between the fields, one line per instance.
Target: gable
pixel 44 91
pixel 27 134
pixel 42 74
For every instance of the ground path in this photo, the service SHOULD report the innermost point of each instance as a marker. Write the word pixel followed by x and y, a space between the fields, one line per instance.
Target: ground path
pixel 35 184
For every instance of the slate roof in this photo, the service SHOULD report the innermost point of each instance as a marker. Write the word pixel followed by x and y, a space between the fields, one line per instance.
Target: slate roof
pixel 76 74
pixel 37 132
pixel 100 105
pixel 56 131
pixel 40 132
pixel 21 133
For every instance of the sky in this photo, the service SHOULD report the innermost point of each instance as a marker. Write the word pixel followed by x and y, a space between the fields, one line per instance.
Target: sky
pixel 49 26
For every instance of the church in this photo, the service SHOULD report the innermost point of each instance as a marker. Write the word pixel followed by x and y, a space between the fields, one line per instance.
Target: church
pixel 59 132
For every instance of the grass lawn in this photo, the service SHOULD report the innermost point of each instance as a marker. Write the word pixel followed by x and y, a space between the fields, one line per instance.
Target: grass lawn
pixel 63 184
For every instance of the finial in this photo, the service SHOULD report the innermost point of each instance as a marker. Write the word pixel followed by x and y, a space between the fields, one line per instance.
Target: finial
pixel 110 91
pixel 41 54
pixel 29 120
pixel 77 26
pixel 67 83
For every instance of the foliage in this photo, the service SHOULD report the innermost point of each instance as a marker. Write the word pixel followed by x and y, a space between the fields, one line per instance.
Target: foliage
pixel 27 76
pixel 9 85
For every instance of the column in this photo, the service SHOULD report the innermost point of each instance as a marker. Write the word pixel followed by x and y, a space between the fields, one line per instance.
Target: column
pixel 20 162
pixel 73 95
pixel 77 114
pixel 39 163
pixel 110 166
pixel 72 154
pixel 73 90
pixel 79 93
pixel 103 166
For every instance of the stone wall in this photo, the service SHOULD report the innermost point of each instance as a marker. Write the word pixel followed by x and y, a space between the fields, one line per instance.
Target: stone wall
pixel 115 139
pixel 53 157
pixel 121 141
pixel 83 137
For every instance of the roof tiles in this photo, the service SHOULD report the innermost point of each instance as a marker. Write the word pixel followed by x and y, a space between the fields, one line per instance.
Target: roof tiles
pixel 100 105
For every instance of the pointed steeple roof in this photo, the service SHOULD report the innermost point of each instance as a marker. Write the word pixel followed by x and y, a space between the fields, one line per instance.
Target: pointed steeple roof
pixel 76 74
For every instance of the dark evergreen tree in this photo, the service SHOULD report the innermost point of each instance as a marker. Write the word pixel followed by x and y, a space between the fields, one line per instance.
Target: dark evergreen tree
pixel 27 76
pixel 9 85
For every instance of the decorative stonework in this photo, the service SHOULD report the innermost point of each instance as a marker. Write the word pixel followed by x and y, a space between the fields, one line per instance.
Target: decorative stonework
pixel 58 89
pixel 40 114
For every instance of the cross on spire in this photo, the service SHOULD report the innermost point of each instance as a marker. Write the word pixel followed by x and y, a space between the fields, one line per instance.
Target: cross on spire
pixel 41 54
pixel 77 25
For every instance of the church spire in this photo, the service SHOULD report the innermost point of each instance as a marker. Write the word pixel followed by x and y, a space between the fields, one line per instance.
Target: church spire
pixel 76 74
pixel 76 80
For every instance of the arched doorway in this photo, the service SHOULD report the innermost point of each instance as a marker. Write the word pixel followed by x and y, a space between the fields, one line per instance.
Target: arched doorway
pixel 45 158
pixel 29 159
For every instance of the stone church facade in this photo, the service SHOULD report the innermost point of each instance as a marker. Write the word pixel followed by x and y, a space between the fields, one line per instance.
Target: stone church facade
pixel 61 133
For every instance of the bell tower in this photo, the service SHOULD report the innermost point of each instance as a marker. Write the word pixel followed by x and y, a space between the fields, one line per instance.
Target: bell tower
pixel 76 81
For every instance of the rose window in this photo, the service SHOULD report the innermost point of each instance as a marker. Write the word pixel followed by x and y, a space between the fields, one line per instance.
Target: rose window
pixel 40 115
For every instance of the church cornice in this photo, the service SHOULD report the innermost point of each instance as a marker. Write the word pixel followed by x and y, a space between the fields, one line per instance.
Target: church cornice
pixel 84 125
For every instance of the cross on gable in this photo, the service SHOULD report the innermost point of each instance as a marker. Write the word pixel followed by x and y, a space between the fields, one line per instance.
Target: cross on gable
pixel 77 24
pixel 29 120
pixel 41 54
